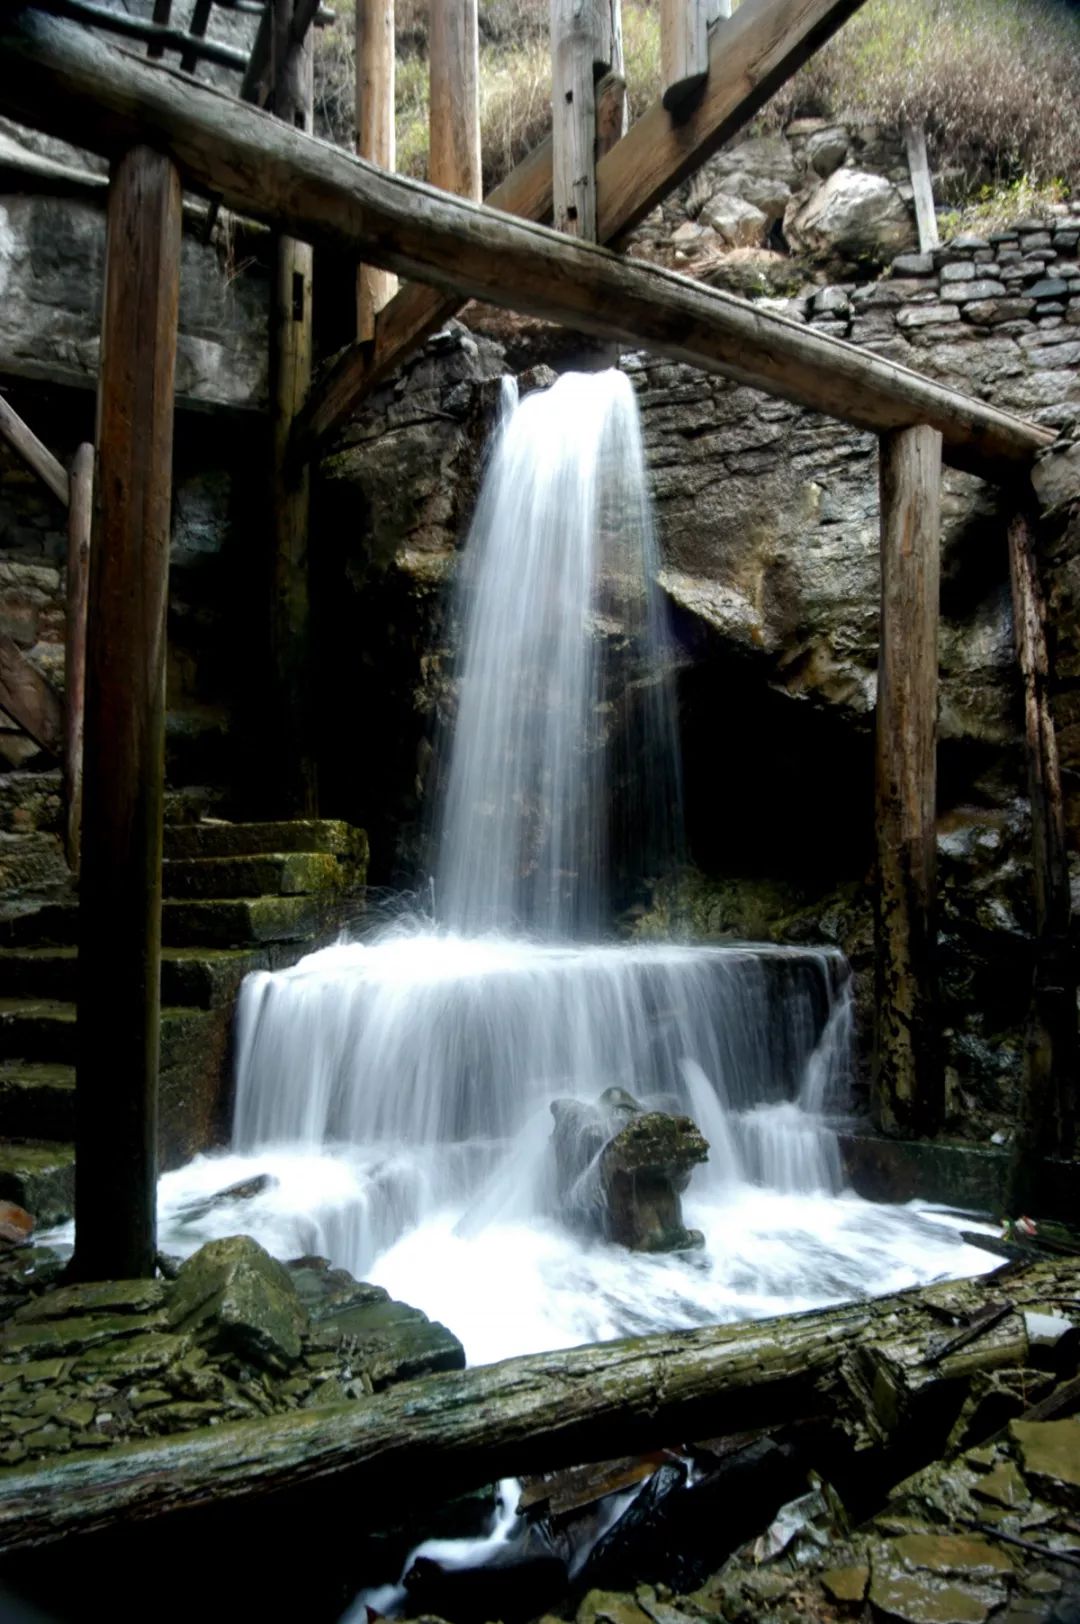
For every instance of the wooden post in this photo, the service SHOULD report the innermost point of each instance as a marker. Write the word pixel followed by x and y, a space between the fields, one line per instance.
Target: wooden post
pixel 684 46
pixel 1047 1104
pixel 120 896
pixel 908 1082
pixel 573 113
pixel 294 782
pixel 80 519
pixel 454 124
pixel 375 136
pixel 611 109
pixel 922 186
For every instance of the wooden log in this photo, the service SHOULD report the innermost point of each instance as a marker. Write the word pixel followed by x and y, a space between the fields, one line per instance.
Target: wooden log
pixel 454 118
pixel 923 187
pixel 120 890
pixel 871 1363
pixel 77 596
pixel 291 789
pixel 908 1080
pixel 37 457
pixel 376 138
pixel 1046 1119
pixel 29 699
pixel 60 77
pixel 573 118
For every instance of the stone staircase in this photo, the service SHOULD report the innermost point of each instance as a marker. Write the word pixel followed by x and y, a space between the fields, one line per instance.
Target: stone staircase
pixel 237 897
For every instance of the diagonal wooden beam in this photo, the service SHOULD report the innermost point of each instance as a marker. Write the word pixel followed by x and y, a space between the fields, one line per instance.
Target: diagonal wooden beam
pixel 37 457
pixel 750 57
pixel 58 77
pixel 29 699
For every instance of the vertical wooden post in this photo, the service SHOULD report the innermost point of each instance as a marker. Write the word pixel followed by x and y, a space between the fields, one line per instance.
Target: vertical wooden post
pixel 612 119
pixel 573 114
pixel 375 136
pixel 684 46
pixel 908 1080
pixel 291 359
pixel 454 122
pixel 80 518
pixel 120 900
pixel 923 187
pixel 1047 1106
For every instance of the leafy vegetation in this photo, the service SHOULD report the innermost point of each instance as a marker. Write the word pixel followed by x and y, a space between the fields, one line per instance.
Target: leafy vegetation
pixel 995 82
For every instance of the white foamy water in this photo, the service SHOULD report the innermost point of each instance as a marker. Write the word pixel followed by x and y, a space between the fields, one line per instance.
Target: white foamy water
pixel 397 1091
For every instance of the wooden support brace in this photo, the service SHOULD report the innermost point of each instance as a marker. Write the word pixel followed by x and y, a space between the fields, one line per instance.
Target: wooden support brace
pixel 454 122
pixel 684 46
pixel 28 698
pixel 375 137
pixel 922 186
pixel 37 457
pixel 120 891
pixel 80 520
pixel 573 118
pixel 908 1089
pixel 1046 1118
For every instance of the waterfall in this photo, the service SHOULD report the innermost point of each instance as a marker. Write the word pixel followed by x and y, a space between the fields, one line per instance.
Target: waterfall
pixel 398 1088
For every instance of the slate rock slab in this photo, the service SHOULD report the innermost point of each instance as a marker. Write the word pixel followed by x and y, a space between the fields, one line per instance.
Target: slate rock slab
pixel 240 1296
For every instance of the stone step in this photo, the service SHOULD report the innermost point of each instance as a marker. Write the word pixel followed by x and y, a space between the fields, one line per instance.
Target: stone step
pixel 190 976
pixel 44 1029
pixel 40 1177
pixel 241 921
pixel 37 1099
pixel 55 924
pixel 218 839
pixel 277 874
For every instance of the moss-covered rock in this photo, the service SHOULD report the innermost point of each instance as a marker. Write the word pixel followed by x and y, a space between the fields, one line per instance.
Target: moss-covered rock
pixel 234 1293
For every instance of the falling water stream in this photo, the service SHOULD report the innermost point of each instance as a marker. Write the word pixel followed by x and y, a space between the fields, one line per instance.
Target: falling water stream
pixel 397 1088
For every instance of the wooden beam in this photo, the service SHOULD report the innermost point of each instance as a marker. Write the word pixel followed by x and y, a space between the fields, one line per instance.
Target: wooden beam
pixel 908 1080
pixel 771 40
pixel 877 1367
pixel 923 187
pixel 1046 1118
pixel 29 699
pixel 168 39
pixel 200 16
pixel 573 118
pixel 454 109
pixel 77 596
pixel 37 457
pixel 684 49
pixel 376 139
pixel 61 78
pixel 292 785
pixel 120 889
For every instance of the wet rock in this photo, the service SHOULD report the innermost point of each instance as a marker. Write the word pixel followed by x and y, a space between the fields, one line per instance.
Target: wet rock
pixel 644 1169
pixel 1050 1453
pixel 234 1293
pixel 246 1190
pixel 846 1584
pixel 915 1599
pixel 101 1297
pixel 16 1224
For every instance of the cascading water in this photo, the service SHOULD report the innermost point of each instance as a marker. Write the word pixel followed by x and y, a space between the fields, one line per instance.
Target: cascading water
pixel 398 1088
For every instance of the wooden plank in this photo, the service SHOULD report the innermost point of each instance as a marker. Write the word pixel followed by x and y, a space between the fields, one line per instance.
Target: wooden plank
pixel 923 187
pixel 292 787
pixel 162 15
pixel 375 137
pixel 773 39
pixel 1046 1118
pixel 200 16
pixel 454 111
pixel 77 595
pixel 427 1439
pixel 908 1080
pixel 573 118
pixel 148 33
pixel 62 78
pixel 29 699
pixel 120 887
pixel 37 457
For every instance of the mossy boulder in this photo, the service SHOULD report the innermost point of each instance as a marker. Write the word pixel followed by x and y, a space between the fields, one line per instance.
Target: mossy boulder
pixel 233 1294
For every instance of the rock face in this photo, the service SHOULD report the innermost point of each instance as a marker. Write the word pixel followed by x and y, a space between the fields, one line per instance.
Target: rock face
pixel 620 1171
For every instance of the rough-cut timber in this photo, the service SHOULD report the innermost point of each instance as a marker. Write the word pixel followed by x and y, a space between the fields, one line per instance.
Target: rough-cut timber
pixel 1048 1092
pixel 765 43
pixel 872 1363
pixel 120 893
pixel 923 187
pixel 454 108
pixel 908 1083
pixel 77 595
pixel 292 783
pixel 175 39
pixel 375 137
pixel 573 118
pixel 28 698
pixel 684 46
pixel 37 457
pixel 56 76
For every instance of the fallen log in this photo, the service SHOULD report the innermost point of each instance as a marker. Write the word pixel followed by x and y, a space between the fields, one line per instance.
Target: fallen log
pixel 875 1363
pixel 55 76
